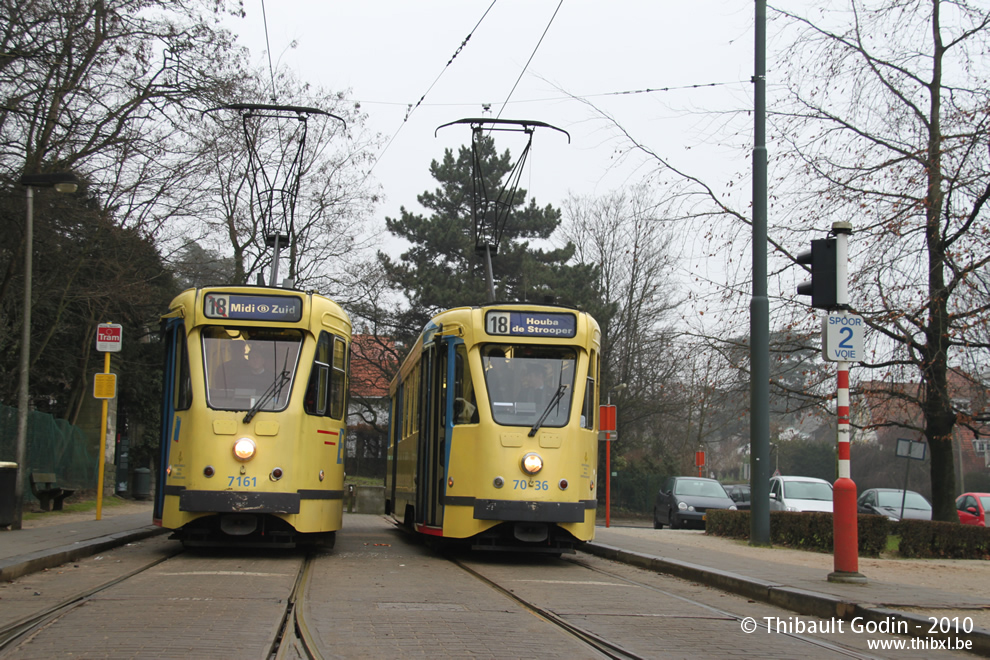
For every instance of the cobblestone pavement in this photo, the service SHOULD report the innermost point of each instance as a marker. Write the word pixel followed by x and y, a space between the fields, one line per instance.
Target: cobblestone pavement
pixel 380 594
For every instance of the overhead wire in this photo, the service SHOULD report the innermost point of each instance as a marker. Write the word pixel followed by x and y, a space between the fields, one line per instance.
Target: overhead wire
pixel 412 108
pixel 531 56
pixel 268 47
pixel 629 92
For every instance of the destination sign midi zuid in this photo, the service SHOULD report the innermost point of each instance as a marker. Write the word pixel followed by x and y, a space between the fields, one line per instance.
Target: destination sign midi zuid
pixel 531 324
pixel 247 307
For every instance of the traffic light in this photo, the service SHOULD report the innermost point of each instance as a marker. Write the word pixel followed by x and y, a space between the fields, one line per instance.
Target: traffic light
pixel 822 286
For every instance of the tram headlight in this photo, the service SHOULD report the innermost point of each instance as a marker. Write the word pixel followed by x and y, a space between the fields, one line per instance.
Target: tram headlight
pixel 244 449
pixel 532 463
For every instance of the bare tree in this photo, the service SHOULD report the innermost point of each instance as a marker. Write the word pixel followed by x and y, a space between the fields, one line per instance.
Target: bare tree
pixel 881 120
pixel 97 88
pixel 623 235
pixel 330 227
pixel 885 124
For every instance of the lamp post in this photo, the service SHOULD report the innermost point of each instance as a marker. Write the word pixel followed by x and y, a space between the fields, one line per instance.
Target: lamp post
pixel 65 182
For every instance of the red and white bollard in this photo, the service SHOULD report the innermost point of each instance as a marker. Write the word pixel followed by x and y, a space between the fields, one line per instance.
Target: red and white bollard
pixel 845 528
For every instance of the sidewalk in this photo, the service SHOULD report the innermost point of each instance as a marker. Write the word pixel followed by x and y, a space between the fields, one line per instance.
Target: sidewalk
pixel 59 537
pixel 896 590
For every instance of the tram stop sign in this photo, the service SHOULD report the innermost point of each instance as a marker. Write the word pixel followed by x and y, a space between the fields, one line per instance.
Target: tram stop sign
pixel 109 337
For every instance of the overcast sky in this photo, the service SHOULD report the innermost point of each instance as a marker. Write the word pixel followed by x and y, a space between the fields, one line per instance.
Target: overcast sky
pixel 389 53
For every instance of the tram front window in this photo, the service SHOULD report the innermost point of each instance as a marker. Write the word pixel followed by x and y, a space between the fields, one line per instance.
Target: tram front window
pixel 248 367
pixel 525 382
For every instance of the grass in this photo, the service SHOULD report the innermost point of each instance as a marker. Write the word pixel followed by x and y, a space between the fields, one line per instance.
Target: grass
pixel 893 545
pixel 363 481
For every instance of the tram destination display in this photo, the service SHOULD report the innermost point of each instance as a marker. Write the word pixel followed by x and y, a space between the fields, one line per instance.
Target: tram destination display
pixel 531 324
pixel 245 307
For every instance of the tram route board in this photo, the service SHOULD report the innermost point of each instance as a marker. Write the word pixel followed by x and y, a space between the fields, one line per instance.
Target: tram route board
pixel 249 307
pixel 531 324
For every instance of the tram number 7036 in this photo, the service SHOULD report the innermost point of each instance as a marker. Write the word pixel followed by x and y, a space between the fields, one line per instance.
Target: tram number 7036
pixel 522 484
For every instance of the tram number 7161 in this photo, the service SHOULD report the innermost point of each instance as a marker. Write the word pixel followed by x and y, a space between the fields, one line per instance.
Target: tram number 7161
pixel 522 484
pixel 242 482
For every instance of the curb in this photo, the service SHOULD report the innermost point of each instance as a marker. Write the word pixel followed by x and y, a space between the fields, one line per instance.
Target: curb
pixel 802 601
pixel 16 567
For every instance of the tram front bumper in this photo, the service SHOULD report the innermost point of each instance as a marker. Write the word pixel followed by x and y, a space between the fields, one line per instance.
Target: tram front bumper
pixel 550 512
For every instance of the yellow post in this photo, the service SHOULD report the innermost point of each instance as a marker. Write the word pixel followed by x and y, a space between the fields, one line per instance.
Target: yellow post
pixel 103 444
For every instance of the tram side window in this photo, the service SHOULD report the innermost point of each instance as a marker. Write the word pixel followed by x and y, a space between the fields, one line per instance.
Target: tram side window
pixel 325 394
pixel 589 407
pixel 183 381
pixel 319 378
pixel 465 405
pixel 338 378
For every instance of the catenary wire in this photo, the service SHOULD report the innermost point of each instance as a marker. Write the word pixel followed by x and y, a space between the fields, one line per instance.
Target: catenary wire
pixel 531 56
pixel 412 108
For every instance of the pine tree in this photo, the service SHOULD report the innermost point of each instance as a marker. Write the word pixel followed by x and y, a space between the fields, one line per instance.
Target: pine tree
pixel 441 269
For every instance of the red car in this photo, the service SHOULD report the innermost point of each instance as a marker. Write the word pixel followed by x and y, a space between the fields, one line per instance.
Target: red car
pixel 972 508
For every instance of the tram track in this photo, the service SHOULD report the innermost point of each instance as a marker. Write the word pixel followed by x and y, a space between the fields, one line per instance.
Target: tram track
pixel 14 632
pixel 605 647
pixel 610 649
pixel 821 644
pixel 294 630
pixel 175 571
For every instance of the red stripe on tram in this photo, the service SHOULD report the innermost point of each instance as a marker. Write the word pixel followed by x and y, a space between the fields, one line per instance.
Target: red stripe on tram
pixel 432 531
pixel 327 442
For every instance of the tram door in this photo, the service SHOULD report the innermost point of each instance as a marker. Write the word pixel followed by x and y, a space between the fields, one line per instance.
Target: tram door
pixel 173 339
pixel 431 437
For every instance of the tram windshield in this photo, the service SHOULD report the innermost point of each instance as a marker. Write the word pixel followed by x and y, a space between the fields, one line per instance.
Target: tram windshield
pixel 249 368
pixel 527 384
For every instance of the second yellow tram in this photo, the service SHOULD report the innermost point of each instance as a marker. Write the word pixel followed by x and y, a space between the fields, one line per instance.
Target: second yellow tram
pixel 494 428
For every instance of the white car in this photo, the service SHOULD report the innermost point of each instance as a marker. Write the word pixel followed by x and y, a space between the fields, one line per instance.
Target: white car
pixel 800 494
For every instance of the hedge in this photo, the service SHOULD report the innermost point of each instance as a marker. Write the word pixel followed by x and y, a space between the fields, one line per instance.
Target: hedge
pixel 813 531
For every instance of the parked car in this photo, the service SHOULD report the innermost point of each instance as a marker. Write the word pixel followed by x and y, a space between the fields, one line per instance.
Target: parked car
pixel 684 500
pixel 972 508
pixel 740 494
pixel 895 503
pixel 800 494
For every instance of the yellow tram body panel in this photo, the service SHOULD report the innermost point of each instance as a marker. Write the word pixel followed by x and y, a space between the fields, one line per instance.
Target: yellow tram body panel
pixel 295 471
pixel 477 482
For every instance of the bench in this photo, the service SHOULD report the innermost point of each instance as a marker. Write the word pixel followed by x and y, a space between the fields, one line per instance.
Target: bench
pixel 44 488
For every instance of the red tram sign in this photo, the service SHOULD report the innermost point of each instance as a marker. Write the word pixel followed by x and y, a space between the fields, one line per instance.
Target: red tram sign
pixel 109 337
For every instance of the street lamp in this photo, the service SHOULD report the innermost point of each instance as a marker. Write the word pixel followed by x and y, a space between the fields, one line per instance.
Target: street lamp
pixel 64 182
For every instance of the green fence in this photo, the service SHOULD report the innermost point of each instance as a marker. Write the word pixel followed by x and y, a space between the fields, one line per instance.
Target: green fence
pixel 632 491
pixel 53 445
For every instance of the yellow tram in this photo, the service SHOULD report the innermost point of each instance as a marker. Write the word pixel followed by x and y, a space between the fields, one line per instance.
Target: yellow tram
pixel 253 417
pixel 494 428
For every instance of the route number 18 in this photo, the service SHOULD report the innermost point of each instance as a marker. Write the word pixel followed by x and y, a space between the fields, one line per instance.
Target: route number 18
pixel 498 323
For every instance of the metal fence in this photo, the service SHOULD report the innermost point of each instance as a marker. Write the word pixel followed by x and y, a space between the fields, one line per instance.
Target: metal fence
pixel 632 491
pixel 53 445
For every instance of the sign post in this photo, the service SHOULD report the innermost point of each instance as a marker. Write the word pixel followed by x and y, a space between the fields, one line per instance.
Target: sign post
pixel 842 342
pixel 606 424
pixel 109 337
pixel 699 460
pixel 910 449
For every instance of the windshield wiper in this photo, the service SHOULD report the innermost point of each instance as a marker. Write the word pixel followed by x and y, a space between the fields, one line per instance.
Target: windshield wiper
pixel 273 390
pixel 558 395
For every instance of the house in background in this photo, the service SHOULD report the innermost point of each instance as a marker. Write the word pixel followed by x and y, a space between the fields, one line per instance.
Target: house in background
pixel 373 363
pixel 884 412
